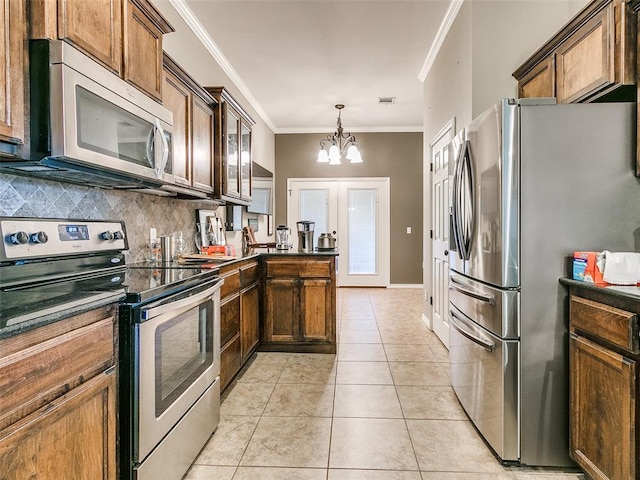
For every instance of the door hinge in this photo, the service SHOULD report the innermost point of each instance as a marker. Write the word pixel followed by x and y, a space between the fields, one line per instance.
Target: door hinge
pixel 430 300
pixel 430 233
pixel 431 167
pixel 290 190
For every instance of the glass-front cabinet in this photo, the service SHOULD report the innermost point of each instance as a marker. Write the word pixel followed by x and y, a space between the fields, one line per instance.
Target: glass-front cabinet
pixel 232 163
pixel 231 160
pixel 245 160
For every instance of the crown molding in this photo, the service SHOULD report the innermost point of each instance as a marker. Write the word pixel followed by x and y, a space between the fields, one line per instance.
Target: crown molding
pixel 200 32
pixel 329 130
pixel 445 26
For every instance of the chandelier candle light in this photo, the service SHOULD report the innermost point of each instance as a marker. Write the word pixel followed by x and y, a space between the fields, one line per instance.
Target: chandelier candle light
pixel 340 141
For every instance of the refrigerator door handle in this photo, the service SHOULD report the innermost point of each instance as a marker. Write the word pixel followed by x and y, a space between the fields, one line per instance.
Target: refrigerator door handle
pixel 466 199
pixel 455 205
pixel 470 293
pixel 463 327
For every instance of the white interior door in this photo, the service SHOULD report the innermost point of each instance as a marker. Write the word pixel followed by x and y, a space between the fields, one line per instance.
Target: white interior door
pixel 357 209
pixel 440 201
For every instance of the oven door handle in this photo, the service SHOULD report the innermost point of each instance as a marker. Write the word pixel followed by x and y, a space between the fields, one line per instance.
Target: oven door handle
pixel 160 307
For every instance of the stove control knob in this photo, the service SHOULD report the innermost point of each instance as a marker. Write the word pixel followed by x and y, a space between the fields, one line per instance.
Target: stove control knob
pixel 118 235
pixel 18 238
pixel 106 235
pixel 39 237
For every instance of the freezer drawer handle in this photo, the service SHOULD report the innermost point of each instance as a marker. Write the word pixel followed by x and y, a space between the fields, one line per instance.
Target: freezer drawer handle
pixel 488 345
pixel 470 293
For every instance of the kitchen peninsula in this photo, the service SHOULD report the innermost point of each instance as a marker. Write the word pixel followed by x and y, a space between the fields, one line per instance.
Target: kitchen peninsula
pixel 276 300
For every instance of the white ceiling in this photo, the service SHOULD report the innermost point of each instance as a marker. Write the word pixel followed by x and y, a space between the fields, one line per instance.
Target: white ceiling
pixel 296 59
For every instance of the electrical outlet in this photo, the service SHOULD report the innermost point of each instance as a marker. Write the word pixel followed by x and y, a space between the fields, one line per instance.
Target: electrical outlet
pixel 408 230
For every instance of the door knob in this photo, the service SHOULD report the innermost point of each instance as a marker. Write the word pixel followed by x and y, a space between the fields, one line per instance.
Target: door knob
pixel 446 253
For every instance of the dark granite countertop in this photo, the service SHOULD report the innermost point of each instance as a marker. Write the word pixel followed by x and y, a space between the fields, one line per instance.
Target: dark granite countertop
pixel 8 328
pixel 625 292
pixel 23 307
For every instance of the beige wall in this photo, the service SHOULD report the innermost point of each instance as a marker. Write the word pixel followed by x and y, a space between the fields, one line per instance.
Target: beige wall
pixel 394 155
pixel 488 40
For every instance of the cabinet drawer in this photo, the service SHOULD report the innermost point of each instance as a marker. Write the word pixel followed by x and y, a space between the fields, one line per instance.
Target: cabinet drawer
pixel 35 375
pixel 230 361
pixel 315 268
pixel 613 325
pixel 231 284
pixel 248 274
pixel 229 319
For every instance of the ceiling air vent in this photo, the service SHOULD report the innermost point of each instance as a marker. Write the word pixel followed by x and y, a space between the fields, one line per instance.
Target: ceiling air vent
pixel 386 100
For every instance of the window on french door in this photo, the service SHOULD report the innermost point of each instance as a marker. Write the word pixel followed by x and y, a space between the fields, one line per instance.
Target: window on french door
pixel 363 226
pixel 314 206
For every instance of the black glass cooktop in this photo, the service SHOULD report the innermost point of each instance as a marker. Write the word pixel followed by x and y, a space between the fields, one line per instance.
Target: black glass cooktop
pixel 46 301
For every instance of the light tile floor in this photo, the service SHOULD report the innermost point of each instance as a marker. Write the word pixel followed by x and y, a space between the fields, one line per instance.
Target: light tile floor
pixel 382 409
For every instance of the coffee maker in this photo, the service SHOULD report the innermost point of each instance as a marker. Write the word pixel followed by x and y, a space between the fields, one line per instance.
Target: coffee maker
pixel 305 236
pixel 282 237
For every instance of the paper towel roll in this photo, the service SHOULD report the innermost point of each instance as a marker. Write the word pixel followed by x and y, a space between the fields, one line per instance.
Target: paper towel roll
pixel 621 268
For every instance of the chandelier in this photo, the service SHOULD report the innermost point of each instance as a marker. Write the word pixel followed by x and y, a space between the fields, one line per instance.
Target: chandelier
pixel 340 141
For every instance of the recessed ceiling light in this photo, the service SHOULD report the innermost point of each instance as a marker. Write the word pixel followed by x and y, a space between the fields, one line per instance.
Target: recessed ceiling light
pixel 386 100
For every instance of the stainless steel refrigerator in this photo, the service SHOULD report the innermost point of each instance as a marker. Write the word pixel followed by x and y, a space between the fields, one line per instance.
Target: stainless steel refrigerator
pixel 531 184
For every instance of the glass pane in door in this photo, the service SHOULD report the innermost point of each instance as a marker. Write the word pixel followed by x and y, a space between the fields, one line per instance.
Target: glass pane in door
pixel 362 218
pixel 108 129
pixel 314 206
pixel 232 160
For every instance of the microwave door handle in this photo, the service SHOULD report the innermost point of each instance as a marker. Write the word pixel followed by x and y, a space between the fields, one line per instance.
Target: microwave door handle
pixel 459 323
pixel 470 293
pixel 157 130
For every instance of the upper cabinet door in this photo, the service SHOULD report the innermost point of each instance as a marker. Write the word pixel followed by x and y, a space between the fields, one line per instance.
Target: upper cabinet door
pixel 231 155
pixel 202 141
pixel 177 98
pixel 245 161
pixel 585 61
pixel 12 20
pixel 95 27
pixel 142 51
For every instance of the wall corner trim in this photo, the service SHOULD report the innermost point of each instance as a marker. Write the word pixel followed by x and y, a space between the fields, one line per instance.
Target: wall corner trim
pixel 447 21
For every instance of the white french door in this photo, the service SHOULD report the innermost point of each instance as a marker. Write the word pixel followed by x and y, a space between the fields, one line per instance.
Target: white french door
pixel 357 210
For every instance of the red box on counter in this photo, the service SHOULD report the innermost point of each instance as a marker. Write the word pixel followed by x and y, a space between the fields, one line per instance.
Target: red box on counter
pixel 585 268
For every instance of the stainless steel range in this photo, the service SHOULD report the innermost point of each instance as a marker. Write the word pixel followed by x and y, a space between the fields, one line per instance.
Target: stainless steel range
pixel 169 330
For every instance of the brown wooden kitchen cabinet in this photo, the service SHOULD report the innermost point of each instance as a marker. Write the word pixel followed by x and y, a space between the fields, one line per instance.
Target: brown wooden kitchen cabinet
pixel 58 408
pixel 635 6
pixel 238 317
pixel 233 151
pixel 592 57
pixel 125 36
pixel 299 307
pixel 12 76
pixel 193 128
pixel 604 355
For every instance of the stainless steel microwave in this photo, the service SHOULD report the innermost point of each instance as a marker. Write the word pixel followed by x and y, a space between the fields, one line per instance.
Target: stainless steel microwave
pixel 89 126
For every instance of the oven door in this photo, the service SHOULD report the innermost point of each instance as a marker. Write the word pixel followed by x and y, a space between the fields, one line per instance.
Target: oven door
pixel 177 350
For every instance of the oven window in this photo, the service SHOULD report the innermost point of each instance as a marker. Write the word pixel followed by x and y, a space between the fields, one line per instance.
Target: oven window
pixel 183 350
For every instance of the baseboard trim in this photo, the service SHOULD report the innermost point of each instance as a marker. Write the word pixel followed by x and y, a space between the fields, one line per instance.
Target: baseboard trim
pixel 405 285
pixel 427 322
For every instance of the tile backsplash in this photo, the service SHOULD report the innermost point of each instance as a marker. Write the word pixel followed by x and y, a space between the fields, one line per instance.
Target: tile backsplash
pixel 32 197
